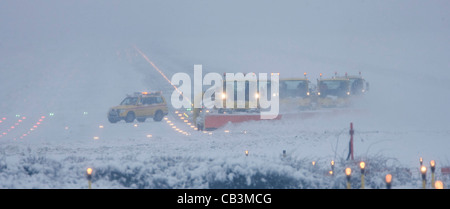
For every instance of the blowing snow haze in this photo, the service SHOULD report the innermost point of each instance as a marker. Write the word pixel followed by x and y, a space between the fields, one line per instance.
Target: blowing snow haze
pixel 70 49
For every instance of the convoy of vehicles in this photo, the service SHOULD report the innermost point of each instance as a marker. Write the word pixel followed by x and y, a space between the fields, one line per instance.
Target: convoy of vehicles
pixel 298 94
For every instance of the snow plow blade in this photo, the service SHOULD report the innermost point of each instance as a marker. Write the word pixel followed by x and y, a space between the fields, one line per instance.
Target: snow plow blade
pixel 216 121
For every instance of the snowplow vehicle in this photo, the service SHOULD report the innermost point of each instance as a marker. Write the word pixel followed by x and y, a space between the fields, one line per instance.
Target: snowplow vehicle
pixel 358 85
pixel 250 98
pixel 245 96
pixel 139 106
pixel 295 94
pixel 333 92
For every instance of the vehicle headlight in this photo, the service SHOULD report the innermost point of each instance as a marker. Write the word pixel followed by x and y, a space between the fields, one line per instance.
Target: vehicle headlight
pixel 318 93
pixel 256 95
pixel 307 93
pixel 224 96
pixel 348 93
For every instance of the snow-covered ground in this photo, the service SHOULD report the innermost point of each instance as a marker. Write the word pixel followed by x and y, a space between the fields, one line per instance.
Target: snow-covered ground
pixel 154 155
pixel 74 135
pixel 55 96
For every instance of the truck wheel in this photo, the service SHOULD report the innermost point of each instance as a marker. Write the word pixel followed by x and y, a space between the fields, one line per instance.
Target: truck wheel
pixel 112 120
pixel 158 116
pixel 130 117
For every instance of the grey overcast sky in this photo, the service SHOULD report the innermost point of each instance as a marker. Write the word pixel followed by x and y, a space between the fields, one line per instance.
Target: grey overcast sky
pixel 343 30
pixel 49 19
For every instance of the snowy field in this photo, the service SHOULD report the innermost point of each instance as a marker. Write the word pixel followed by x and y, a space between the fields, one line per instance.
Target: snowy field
pixel 154 155
pixel 56 91
pixel 73 136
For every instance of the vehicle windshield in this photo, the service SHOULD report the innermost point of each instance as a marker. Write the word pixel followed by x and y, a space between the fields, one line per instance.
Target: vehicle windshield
pixel 129 101
pixel 243 86
pixel 333 87
pixel 356 85
pixel 293 88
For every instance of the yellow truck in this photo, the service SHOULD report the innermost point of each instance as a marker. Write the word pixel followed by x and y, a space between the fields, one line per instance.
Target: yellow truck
pixel 139 106
pixel 358 85
pixel 333 92
pixel 251 101
pixel 295 93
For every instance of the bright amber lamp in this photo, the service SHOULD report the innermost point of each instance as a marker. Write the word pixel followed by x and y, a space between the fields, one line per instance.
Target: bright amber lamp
pixel 388 178
pixel 362 165
pixel 89 171
pixel 348 171
pixel 423 169
pixel 439 185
